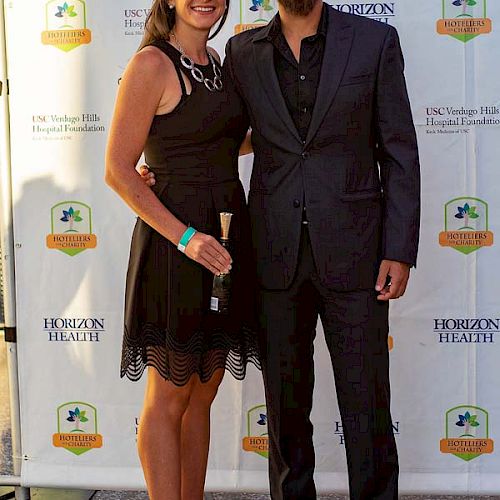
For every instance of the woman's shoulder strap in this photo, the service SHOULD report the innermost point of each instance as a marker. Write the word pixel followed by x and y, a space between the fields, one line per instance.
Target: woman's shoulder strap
pixel 173 54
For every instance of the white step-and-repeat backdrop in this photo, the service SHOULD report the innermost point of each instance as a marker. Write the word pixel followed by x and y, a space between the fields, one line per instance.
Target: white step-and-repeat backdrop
pixel 72 234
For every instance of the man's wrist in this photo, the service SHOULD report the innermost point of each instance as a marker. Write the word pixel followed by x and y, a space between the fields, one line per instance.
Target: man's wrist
pixel 409 264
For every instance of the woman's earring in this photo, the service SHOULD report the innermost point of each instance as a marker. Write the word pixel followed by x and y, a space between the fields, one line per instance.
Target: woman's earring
pixel 171 6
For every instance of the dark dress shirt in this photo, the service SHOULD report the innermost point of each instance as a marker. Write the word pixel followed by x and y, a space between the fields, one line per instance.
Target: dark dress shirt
pixel 299 80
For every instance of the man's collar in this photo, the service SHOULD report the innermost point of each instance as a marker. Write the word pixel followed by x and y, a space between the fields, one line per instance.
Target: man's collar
pixel 323 22
pixel 273 29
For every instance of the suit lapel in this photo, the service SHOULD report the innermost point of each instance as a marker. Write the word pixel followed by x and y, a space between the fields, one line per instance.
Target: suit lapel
pixel 264 62
pixel 337 48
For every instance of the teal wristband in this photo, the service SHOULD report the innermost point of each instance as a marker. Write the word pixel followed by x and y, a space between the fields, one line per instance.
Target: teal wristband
pixel 186 238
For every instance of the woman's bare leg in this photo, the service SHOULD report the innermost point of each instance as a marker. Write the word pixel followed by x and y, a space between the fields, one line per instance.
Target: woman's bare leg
pixel 159 435
pixel 195 436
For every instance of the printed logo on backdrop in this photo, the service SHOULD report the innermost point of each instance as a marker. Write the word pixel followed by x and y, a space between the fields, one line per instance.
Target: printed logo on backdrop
pixel 467 433
pixel 466 225
pixel 464 19
pixel 71 228
pixel 77 428
pixel 255 13
pixel 257 440
pixel 339 431
pixel 134 21
pixel 74 329
pixel 64 127
pixel 459 119
pixel 466 330
pixel 66 24
pixel 379 11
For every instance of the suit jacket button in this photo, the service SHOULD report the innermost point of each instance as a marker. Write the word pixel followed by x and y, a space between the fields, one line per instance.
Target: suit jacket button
pixel 296 203
pixel 305 155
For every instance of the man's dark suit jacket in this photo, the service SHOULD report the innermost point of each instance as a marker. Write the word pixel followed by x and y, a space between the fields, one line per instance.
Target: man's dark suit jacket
pixel 357 170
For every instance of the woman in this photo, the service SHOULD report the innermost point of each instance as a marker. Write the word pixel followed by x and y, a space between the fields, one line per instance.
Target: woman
pixel 176 105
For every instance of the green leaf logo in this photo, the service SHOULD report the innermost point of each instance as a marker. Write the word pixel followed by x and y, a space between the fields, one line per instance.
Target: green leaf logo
pixel 467 212
pixel 77 416
pixel 71 216
pixel 66 11
pixel 467 421
pixel 464 4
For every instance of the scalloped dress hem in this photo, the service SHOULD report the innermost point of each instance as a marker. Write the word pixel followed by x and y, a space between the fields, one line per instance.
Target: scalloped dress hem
pixel 203 354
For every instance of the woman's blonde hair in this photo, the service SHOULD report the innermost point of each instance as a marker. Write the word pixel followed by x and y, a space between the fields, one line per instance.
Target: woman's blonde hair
pixel 161 20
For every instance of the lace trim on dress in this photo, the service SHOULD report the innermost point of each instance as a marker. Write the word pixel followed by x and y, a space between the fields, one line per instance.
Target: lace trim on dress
pixel 204 353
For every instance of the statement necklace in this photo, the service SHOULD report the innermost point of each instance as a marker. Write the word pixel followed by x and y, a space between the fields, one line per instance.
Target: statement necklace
pixel 187 62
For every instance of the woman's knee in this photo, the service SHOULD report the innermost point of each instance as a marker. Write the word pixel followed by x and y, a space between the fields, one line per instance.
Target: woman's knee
pixel 164 398
pixel 204 392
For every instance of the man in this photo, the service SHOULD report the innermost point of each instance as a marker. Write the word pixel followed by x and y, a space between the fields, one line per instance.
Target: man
pixel 334 201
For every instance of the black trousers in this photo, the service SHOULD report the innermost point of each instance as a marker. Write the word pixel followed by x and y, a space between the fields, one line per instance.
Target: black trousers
pixel 356 330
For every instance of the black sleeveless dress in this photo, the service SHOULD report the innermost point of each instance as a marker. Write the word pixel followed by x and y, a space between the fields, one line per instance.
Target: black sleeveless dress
pixel 193 152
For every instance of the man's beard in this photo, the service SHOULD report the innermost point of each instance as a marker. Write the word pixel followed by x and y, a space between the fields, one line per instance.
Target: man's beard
pixel 298 7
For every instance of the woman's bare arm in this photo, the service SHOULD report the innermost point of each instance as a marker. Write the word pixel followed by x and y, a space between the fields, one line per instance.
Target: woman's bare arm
pixel 143 88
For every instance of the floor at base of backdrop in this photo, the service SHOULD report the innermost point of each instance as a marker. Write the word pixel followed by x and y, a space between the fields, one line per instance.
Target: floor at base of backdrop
pixel 52 494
